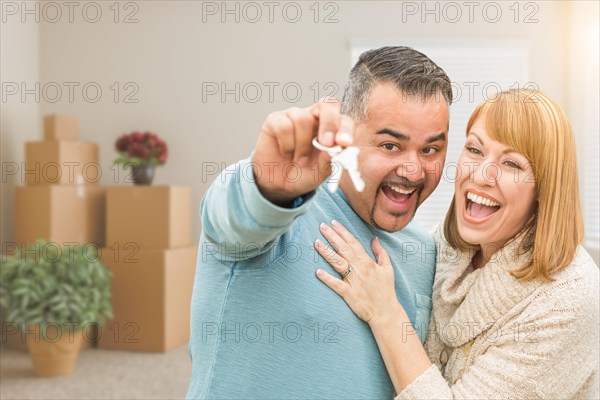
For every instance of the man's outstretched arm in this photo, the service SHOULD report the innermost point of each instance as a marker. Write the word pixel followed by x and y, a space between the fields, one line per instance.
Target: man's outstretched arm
pixel 255 201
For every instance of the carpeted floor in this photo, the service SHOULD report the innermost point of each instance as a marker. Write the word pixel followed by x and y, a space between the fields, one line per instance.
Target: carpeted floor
pixel 100 374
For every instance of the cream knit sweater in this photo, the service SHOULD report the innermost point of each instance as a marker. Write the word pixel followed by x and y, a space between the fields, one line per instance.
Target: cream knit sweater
pixel 494 337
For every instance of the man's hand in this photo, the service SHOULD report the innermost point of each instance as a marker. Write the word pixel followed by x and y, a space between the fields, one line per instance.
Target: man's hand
pixel 286 165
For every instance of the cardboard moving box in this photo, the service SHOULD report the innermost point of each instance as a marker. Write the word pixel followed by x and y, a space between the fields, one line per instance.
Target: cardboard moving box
pixel 60 213
pixel 152 217
pixel 61 127
pixel 151 296
pixel 62 162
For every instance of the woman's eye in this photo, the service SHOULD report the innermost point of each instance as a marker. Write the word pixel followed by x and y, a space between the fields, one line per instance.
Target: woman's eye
pixel 473 150
pixel 512 164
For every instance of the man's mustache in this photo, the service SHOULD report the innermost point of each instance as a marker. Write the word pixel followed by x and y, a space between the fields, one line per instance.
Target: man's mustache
pixel 405 183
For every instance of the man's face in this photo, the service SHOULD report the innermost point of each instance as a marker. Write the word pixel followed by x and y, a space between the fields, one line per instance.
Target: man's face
pixel 402 151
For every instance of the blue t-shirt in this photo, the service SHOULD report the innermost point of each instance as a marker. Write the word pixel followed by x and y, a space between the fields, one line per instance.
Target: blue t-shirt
pixel 262 325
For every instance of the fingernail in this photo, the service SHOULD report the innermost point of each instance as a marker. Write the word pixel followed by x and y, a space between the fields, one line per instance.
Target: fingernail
pixel 328 138
pixel 319 272
pixel 344 138
pixel 335 224
pixel 318 243
pixel 323 226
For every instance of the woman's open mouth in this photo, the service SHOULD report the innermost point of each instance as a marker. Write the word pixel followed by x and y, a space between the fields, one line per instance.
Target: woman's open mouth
pixel 479 207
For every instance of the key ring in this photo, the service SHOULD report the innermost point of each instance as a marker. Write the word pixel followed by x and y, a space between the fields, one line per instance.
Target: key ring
pixel 329 150
pixel 342 158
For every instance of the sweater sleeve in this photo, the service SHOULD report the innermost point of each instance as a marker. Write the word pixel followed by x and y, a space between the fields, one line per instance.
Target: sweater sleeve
pixel 547 355
pixel 238 220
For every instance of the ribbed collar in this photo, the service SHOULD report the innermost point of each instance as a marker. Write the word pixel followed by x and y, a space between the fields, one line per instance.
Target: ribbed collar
pixel 467 301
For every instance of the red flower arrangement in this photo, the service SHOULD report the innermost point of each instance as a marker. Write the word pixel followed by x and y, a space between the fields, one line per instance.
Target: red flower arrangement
pixel 139 148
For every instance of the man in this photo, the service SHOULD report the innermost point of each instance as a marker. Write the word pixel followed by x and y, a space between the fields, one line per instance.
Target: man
pixel 263 326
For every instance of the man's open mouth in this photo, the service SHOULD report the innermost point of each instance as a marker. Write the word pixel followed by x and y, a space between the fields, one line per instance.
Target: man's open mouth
pixel 398 194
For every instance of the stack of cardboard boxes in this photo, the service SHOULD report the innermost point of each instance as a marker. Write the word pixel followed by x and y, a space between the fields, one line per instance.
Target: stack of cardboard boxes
pixel 61 200
pixel 149 251
pixel 143 234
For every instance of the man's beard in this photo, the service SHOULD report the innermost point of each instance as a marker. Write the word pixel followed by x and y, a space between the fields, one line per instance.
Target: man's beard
pixel 419 189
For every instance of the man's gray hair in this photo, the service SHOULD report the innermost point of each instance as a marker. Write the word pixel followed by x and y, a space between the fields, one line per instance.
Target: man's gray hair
pixel 412 72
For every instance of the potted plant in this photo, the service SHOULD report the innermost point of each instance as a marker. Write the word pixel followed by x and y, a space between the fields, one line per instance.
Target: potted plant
pixel 53 293
pixel 143 152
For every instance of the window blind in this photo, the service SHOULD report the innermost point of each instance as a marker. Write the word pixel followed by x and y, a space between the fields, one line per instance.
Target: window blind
pixel 591 172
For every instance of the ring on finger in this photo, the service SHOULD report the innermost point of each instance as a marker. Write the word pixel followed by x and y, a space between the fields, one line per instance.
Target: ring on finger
pixel 347 271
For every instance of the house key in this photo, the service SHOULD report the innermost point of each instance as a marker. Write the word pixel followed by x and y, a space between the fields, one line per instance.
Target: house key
pixel 342 158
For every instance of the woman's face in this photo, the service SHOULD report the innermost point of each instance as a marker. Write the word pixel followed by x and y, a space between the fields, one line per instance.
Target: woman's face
pixel 494 191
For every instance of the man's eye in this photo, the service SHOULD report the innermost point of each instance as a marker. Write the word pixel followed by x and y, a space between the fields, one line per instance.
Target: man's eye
pixel 390 146
pixel 429 150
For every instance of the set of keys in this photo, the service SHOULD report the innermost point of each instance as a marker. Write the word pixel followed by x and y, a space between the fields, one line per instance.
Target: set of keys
pixel 342 159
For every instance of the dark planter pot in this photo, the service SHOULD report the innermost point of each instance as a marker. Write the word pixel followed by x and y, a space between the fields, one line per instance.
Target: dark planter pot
pixel 142 174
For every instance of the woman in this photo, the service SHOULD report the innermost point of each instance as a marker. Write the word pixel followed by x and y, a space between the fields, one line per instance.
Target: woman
pixel 515 298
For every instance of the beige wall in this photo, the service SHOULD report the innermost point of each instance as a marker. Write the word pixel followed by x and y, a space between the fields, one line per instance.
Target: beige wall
pixel 170 52
pixel 19 62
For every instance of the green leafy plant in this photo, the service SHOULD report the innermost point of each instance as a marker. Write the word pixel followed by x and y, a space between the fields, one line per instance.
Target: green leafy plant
pixel 52 284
